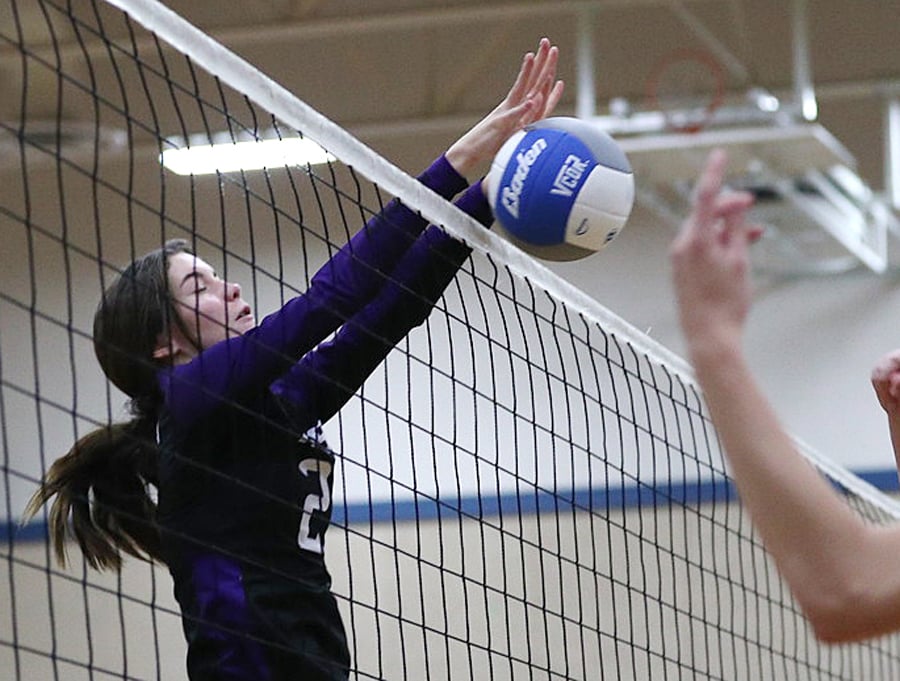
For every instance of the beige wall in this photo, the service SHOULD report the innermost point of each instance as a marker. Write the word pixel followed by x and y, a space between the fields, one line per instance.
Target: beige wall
pixel 661 593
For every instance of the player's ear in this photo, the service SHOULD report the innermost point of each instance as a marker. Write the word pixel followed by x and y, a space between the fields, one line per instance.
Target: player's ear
pixel 171 348
pixel 163 351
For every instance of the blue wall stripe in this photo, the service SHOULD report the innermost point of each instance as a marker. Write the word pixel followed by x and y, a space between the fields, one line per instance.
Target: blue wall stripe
pixel 526 503
pixel 535 501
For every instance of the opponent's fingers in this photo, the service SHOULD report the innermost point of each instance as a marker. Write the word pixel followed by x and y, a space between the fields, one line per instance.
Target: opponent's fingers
pixel 537 77
pixel 732 207
pixel 887 387
pixel 727 202
pixel 735 230
pixel 731 214
pixel 755 232
pixel 704 214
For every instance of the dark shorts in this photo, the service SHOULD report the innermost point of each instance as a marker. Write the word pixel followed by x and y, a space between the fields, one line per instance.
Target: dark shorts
pixel 245 625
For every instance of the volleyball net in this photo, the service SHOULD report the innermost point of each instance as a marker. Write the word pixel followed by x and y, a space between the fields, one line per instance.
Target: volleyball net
pixel 526 488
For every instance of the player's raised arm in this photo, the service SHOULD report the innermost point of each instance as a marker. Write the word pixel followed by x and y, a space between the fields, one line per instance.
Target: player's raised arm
pixel 843 572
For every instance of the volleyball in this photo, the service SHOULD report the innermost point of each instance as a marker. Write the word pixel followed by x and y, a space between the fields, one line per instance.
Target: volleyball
pixel 561 189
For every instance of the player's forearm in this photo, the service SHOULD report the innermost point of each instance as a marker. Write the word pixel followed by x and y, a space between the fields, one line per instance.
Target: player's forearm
pixel 894 429
pixel 804 524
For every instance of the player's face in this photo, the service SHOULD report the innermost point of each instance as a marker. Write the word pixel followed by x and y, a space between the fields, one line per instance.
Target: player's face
pixel 211 309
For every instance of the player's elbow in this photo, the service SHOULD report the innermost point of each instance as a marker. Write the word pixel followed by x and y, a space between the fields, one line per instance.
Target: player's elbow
pixel 842 610
pixel 830 625
pixel 840 625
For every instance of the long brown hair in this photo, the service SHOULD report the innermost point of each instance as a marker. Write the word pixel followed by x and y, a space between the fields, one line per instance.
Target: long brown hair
pixel 104 483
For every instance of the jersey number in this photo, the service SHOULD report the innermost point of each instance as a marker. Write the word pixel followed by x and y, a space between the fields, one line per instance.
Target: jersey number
pixel 308 539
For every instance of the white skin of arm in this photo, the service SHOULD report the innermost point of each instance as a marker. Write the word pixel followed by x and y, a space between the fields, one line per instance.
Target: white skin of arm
pixel 886 381
pixel 844 573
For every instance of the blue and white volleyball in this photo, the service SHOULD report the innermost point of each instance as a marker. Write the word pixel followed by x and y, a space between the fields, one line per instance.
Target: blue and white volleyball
pixel 561 189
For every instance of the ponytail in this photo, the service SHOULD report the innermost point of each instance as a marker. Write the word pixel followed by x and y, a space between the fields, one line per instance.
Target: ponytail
pixel 102 483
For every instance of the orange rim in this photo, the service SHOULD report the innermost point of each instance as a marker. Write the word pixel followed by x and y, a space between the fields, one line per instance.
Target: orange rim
pixel 704 60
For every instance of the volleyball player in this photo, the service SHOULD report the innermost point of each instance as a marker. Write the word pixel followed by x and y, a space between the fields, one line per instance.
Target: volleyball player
pixel 228 413
pixel 843 572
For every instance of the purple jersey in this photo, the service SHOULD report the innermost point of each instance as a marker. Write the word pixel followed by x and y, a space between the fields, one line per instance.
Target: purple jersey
pixel 245 482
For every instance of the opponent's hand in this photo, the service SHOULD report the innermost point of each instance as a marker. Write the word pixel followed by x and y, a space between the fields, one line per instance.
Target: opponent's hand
pixel 710 259
pixel 533 96
pixel 886 381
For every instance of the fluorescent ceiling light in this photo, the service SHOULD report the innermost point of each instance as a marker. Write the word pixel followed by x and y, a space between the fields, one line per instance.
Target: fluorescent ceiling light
pixel 250 155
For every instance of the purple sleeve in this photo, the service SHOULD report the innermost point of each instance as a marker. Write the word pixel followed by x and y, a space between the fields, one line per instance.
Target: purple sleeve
pixel 350 279
pixel 325 378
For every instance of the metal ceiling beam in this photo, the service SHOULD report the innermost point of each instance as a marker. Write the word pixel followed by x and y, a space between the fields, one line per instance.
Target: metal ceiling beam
pixel 293 31
pixel 804 92
pixel 716 47
pixel 586 87
pixel 892 150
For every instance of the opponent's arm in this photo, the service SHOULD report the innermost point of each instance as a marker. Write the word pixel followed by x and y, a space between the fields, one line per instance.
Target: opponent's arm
pixel 842 571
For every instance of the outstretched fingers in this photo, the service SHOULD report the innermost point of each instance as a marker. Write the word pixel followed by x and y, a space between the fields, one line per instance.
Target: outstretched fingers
pixel 545 84
pixel 533 95
pixel 544 66
pixel 520 88
pixel 717 214
pixel 707 192
pixel 536 91
pixel 553 98
pixel 545 101
pixel 732 210
pixel 542 63
pixel 537 82
pixel 710 258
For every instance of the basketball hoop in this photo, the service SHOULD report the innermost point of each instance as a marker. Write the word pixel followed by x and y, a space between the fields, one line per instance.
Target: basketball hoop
pixel 686 87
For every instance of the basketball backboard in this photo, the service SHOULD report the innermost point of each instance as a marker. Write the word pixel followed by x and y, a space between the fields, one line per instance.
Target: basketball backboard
pixel 820 217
